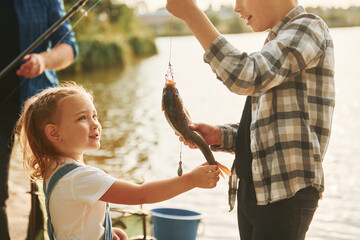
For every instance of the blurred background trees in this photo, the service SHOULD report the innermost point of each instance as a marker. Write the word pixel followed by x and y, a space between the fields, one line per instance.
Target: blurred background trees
pixel 114 34
pixel 110 35
pixel 227 22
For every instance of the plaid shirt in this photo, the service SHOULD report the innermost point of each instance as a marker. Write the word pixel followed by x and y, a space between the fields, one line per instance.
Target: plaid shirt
pixel 291 81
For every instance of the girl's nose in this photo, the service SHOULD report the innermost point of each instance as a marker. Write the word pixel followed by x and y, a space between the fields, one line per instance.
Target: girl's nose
pixel 95 124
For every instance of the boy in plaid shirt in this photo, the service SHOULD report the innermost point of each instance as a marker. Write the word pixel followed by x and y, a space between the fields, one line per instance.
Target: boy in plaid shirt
pixel 284 130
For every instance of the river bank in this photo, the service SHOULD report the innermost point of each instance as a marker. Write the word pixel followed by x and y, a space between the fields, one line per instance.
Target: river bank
pixel 18 204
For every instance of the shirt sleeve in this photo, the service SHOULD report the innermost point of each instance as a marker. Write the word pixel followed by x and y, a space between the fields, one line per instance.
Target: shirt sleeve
pixel 90 183
pixel 64 33
pixel 228 138
pixel 299 45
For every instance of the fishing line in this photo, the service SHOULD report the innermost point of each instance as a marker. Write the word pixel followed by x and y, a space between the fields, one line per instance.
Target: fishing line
pixel 170 69
pixel 171 36
pixel 180 171
pixel 84 13
pixel 19 58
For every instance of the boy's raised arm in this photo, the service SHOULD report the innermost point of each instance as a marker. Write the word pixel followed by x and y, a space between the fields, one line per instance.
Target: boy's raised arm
pixel 195 18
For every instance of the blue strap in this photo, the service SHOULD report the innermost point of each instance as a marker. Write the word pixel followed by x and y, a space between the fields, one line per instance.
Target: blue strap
pixel 108 224
pixel 54 179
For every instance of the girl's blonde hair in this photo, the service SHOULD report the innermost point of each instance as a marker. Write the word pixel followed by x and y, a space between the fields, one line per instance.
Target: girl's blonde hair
pixel 39 155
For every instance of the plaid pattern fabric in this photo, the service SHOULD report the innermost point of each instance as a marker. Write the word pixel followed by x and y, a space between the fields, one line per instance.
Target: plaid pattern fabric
pixel 291 81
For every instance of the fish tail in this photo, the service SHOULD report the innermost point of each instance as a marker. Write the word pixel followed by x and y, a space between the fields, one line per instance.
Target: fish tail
pixel 223 169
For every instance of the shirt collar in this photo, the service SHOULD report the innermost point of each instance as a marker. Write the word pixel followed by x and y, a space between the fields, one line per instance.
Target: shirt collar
pixel 292 14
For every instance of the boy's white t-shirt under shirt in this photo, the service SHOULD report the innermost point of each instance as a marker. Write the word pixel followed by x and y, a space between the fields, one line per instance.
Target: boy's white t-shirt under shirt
pixel 75 209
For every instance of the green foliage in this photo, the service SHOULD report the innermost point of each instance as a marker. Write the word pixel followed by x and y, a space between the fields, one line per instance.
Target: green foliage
pixel 338 17
pixel 110 35
pixel 179 28
pixel 142 46
pixel 214 19
pixel 133 225
pixel 100 53
pixel 236 25
pixel 226 21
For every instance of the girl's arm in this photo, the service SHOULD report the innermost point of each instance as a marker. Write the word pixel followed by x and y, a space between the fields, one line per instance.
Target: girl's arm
pixel 122 192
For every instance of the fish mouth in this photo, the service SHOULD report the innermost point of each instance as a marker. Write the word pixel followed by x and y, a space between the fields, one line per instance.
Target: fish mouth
pixel 169 82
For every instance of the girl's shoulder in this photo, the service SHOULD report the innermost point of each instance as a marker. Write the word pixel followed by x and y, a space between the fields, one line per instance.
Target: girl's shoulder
pixel 85 174
pixel 82 175
pixel 85 183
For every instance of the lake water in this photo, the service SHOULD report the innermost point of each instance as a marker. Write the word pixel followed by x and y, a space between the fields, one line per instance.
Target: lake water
pixel 138 142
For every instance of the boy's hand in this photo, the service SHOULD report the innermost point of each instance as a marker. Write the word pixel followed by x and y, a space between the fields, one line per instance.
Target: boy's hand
pixel 210 133
pixel 181 8
pixel 205 176
pixel 196 19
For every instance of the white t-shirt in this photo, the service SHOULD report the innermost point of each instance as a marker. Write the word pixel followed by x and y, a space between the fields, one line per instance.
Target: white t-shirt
pixel 75 209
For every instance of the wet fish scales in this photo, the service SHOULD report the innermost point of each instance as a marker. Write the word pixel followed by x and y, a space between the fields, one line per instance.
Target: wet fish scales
pixel 179 120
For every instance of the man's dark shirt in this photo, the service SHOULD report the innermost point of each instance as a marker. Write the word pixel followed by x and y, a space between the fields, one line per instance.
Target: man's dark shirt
pixel 9 49
pixel 243 157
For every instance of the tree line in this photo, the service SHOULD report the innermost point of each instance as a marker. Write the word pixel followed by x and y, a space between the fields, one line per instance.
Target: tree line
pixel 227 22
pixel 110 35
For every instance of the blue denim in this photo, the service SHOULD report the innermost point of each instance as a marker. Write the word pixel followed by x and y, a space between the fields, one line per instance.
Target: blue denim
pixel 288 219
pixel 35 17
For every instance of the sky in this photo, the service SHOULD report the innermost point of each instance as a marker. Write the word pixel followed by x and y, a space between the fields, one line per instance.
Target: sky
pixel 155 4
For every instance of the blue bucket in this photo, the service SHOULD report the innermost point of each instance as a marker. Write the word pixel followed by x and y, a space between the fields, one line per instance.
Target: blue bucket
pixel 175 224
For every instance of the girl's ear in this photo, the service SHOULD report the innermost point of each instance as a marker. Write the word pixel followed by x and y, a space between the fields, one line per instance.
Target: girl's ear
pixel 52 133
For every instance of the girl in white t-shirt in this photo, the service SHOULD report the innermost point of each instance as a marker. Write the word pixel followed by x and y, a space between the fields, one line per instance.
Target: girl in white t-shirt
pixel 56 127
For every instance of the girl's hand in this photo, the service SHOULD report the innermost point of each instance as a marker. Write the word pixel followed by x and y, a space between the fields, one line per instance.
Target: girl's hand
pixel 34 66
pixel 210 133
pixel 119 234
pixel 205 176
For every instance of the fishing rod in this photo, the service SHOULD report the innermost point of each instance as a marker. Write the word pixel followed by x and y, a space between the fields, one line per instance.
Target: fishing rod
pixel 45 35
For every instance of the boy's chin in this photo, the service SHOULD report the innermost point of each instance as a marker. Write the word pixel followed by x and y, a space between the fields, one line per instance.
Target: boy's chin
pixel 258 29
pixel 94 148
